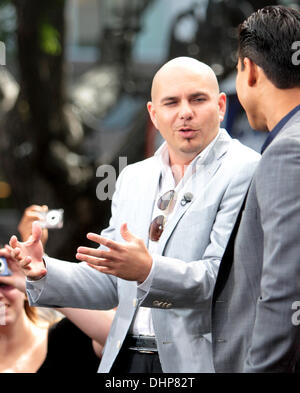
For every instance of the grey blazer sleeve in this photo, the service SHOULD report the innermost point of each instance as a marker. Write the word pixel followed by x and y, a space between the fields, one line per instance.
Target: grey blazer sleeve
pixel 73 285
pixel 275 340
pixel 182 284
pixel 76 284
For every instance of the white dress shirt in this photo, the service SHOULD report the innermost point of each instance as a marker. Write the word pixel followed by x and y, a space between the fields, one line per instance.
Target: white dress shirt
pixel 142 324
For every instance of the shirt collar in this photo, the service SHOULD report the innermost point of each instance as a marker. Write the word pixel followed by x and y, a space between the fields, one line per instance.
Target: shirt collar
pixel 162 154
pixel 279 126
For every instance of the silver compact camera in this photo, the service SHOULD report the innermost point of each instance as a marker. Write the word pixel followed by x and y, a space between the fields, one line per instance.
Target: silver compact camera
pixel 4 270
pixel 53 219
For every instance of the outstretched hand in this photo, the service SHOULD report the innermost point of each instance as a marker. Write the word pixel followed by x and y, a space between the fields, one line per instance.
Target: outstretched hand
pixel 29 254
pixel 130 260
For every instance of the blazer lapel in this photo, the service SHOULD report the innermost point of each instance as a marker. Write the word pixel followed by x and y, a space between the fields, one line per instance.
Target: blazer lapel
pixel 197 183
pixel 147 198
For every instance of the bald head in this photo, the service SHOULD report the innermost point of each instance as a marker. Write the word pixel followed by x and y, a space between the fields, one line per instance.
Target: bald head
pixel 184 65
pixel 187 107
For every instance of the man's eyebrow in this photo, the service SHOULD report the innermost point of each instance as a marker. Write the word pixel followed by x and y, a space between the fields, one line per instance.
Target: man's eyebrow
pixel 171 98
pixel 193 95
pixel 198 94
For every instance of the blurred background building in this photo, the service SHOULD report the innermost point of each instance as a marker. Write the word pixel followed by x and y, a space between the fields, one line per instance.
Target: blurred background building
pixel 73 94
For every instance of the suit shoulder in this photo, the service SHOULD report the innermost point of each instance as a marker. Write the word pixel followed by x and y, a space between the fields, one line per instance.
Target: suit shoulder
pixel 285 143
pixel 243 153
pixel 236 151
pixel 241 162
pixel 139 167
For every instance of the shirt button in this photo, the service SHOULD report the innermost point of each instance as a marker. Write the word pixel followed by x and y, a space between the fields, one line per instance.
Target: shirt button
pixel 134 302
pixel 118 344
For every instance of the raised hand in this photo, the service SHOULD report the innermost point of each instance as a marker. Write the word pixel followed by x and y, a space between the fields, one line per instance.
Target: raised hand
pixel 29 254
pixel 130 260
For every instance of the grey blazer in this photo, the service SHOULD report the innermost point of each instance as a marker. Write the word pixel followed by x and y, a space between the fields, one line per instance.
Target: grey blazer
pixel 259 276
pixel 190 250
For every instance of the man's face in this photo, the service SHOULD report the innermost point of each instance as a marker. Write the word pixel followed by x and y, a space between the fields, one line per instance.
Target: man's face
pixel 187 110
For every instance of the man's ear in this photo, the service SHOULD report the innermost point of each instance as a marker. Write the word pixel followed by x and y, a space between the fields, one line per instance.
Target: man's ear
pixel 251 70
pixel 151 110
pixel 222 106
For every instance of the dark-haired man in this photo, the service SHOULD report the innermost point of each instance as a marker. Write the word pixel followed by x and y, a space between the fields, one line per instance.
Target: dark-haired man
pixel 258 284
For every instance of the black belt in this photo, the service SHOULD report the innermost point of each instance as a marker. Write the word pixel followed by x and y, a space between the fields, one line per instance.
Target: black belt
pixel 145 344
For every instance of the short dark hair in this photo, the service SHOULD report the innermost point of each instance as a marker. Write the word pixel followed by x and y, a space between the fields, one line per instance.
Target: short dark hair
pixel 266 38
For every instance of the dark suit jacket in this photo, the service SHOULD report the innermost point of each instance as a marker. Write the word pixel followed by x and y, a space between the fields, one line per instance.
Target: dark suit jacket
pixel 258 284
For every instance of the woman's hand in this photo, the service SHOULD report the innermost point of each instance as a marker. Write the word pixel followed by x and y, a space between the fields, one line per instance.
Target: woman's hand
pixel 17 279
pixel 31 214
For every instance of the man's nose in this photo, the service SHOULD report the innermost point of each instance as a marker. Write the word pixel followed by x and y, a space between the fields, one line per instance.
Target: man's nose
pixel 186 112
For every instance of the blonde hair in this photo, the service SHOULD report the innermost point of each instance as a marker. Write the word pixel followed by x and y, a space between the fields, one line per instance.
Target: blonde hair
pixel 43 317
pixel 31 312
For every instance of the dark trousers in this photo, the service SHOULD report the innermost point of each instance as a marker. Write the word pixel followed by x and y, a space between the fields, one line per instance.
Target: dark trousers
pixel 129 361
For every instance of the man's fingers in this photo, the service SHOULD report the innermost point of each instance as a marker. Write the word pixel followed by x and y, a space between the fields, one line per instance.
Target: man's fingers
pixel 105 242
pixel 30 271
pixel 102 269
pixel 94 260
pixel 36 231
pixel 5 252
pixel 13 241
pixel 96 252
pixel 16 252
pixel 25 262
pixel 126 234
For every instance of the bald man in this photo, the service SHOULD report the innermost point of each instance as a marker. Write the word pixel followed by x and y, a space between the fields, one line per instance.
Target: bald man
pixel 172 215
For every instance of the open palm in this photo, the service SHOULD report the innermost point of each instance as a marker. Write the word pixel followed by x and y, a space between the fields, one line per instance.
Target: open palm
pixel 30 253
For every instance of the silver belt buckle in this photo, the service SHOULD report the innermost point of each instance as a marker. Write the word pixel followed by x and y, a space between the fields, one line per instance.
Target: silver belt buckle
pixel 142 346
pixel 142 350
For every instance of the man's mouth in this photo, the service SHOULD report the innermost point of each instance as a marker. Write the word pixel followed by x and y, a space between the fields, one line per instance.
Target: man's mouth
pixel 187 132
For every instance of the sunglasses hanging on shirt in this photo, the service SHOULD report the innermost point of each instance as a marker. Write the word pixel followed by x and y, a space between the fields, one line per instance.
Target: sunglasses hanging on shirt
pixel 157 225
pixel 165 203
